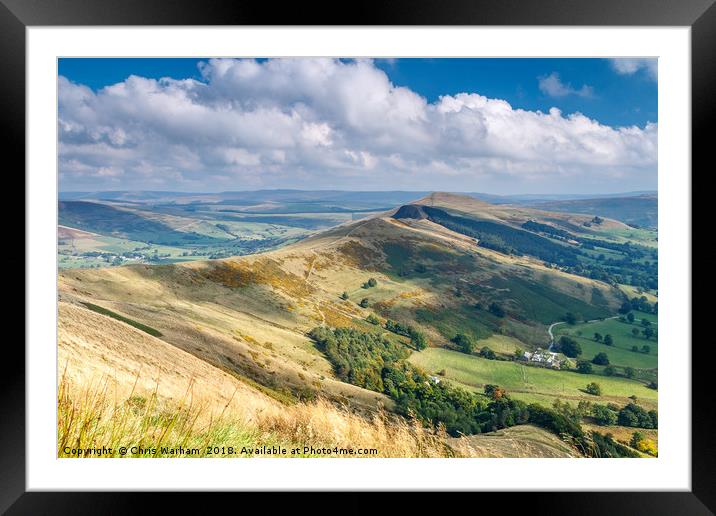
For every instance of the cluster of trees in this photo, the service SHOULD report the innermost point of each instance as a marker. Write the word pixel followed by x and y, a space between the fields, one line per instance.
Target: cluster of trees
pixel 538 227
pixel 359 357
pixel 504 238
pixel 640 304
pixel 374 362
pixel 417 338
pixel 606 339
pixel 370 283
pixel 631 415
pixel 648 332
pixel 630 267
pixel 646 349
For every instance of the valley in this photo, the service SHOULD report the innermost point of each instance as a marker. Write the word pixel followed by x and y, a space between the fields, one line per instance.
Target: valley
pixel 453 289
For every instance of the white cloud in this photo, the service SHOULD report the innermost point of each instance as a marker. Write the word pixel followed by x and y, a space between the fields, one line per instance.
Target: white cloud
pixel 553 86
pixel 328 123
pixel 630 66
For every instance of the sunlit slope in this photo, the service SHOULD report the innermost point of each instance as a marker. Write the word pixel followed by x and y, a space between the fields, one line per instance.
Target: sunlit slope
pixel 119 385
pixel 250 315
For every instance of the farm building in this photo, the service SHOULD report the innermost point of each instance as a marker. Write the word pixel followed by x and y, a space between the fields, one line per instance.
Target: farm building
pixel 543 357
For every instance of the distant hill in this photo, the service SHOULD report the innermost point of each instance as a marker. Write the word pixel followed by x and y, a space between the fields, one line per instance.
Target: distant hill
pixel 640 211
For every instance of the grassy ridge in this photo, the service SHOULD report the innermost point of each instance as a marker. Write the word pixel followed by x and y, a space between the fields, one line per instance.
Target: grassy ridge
pixel 104 311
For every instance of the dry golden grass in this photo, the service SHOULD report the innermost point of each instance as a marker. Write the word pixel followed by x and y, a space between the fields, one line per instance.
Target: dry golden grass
pixel 96 415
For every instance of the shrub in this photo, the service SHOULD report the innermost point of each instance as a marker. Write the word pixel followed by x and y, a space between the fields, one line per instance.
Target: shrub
pixel 594 389
pixel 584 367
pixel 363 303
pixel 494 391
pixel 647 446
pixel 370 283
pixel 486 352
pixel 463 342
pixel 372 319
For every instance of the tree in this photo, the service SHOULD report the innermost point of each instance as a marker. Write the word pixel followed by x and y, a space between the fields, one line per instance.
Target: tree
pixel 486 352
pixel 625 308
pixel 635 332
pixel 635 349
pixel 610 370
pixel 630 372
pixel 608 340
pixel 372 319
pixel 636 438
pixel 363 303
pixel 584 366
pixel 570 318
pixel 418 340
pixel 645 349
pixel 569 347
pixel 645 323
pixel 604 416
pixel 648 332
pixel 597 337
pixel 630 317
pixel 494 391
pixel 601 359
pixel 344 296
pixel 463 342
pixel 594 389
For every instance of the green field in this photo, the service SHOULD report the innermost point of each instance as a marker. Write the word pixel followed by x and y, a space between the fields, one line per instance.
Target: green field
pixel 532 384
pixel 620 354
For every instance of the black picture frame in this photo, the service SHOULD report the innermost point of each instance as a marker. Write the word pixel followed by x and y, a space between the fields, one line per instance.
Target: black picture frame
pixel 17 15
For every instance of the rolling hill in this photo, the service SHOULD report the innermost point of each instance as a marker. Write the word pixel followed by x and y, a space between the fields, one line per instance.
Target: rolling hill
pixel 640 210
pixel 248 318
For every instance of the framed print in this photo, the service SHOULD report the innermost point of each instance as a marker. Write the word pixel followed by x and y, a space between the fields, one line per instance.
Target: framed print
pixel 418 252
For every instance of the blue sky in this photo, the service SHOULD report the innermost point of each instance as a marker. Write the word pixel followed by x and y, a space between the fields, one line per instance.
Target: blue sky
pixel 423 96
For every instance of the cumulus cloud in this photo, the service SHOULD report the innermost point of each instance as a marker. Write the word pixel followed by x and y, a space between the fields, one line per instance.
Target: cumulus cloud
pixel 326 123
pixel 630 66
pixel 553 86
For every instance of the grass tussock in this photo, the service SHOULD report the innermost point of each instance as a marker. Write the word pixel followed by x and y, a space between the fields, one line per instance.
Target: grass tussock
pixel 94 416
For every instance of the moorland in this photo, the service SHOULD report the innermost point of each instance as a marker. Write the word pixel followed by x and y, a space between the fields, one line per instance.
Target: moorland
pixel 414 323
